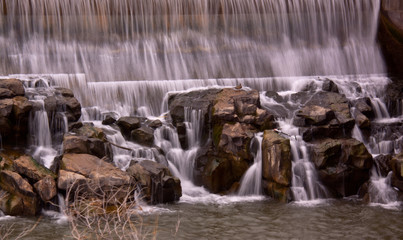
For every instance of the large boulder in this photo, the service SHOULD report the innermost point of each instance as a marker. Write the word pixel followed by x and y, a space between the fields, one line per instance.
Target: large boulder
pixel 30 168
pixel 396 164
pixel 390 35
pixel 88 145
pixel 92 176
pixel 157 183
pixel 143 136
pixel 128 124
pixel 325 114
pixel 276 165
pixel 13 85
pixel 18 195
pixel 46 188
pixel 343 164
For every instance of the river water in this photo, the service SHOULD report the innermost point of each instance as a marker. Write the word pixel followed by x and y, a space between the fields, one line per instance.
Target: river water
pixel 258 219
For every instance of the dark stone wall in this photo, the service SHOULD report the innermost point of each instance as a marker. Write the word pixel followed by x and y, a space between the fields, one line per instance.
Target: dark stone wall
pixel 390 36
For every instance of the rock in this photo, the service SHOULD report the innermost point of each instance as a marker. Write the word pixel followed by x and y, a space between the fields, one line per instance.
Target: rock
pixel 343 164
pixel 27 166
pixel 21 197
pixel 13 85
pixel 67 179
pixel 264 120
pixel 396 164
pixel 326 153
pixel 196 100
pixel 217 174
pixel 364 106
pixel 6 93
pixel 108 120
pixel 99 172
pixel 361 120
pixel 336 102
pixel 330 86
pixel 315 115
pixel 83 144
pixel 390 35
pixel 158 184
pixel 383 164
pixel 89 131
pixel 276 158
pixel 65 92
pixel 143 136
pixel 277 191
pixel 275 96
pixel 6 107
pixel 155 124
pixel 46 188
pixel 128 124
pixel 235 140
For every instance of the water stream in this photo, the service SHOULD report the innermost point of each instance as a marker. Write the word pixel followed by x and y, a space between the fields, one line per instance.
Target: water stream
pixel 124 57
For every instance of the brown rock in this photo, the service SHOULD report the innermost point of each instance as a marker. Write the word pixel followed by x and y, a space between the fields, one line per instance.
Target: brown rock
pixel 158 184
pixel 27 166
pixel 67 179
pixel 21 195
pixel 46 188
pixel 101 172
pixel 276 158
pixel 6 93
pixel 13 85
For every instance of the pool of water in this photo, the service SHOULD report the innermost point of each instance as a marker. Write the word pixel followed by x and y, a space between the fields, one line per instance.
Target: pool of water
pixel 253 219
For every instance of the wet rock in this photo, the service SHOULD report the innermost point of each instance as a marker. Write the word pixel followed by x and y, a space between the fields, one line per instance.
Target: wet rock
pixel 128 124
pixel 99 172
pixel 89 131
pixel 6 93
pixel 108 120
pixel 68 179
pixel 46 188
pixel 83 144
pixel 6 107
pixel 143 136
pixel 65 92
pixel 383 164
pixel 158 184
pixel 30 168
pixel 361 120
pixel 217 174
pixel 155 124
pixel 13 85
pixel 343 164
pixel 235 140
pixel 21 199
pixel 364 106
pixel 195 100
pixel 276 165
pixel 275 96
pixel 396 164
pixel 264 120
pixel 330 86
pixel 315 115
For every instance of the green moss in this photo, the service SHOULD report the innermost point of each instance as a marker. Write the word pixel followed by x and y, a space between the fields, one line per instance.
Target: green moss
pixel 217 131
pixel 42 169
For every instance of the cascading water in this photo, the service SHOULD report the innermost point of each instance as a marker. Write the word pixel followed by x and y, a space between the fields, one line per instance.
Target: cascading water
pixel 251 182
pixel 106 51
pixel 117 40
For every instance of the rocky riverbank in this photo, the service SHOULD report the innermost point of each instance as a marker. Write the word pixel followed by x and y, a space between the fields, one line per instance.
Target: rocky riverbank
pixel 227 121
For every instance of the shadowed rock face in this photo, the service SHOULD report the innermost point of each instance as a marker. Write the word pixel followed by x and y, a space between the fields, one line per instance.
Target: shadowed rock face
pixel 390 35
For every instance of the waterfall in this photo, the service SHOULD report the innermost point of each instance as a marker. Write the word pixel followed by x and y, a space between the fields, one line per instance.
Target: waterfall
pixel 120 40
pixel 251 182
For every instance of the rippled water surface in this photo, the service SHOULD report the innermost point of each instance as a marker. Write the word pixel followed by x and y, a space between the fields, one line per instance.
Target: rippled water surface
pixel 265 219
